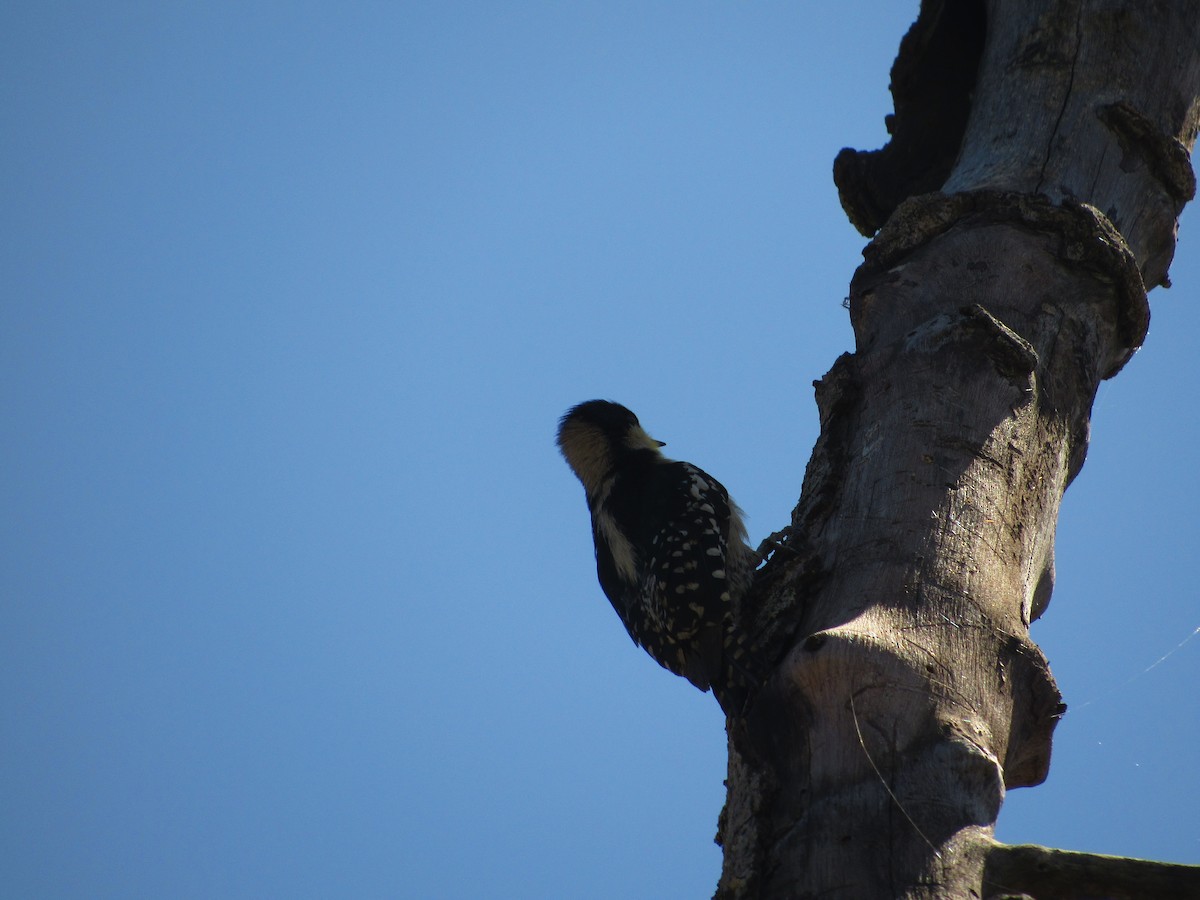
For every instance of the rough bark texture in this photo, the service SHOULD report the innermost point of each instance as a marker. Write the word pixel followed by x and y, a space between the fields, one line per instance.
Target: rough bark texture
pixel 1032 871
pixel 1039 162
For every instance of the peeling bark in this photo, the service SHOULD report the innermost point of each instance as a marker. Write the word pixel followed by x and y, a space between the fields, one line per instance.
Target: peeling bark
pixel 1038 165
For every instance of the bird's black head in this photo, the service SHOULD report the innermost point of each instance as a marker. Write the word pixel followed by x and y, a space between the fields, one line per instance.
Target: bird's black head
pixel 595 434
pixel 609 417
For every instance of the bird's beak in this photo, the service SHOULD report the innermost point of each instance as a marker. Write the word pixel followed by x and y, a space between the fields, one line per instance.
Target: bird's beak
pixel 660 443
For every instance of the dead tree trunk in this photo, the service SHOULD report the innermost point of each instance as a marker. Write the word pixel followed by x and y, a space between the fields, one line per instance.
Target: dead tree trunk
pixel 1038 165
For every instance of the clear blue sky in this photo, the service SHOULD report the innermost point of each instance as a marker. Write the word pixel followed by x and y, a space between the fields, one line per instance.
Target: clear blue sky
pixel 297 597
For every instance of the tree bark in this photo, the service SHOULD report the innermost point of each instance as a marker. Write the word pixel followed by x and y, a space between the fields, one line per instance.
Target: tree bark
pixel 1038 165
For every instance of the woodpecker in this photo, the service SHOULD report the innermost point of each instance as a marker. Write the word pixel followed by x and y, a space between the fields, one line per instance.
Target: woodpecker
pixel 671 550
